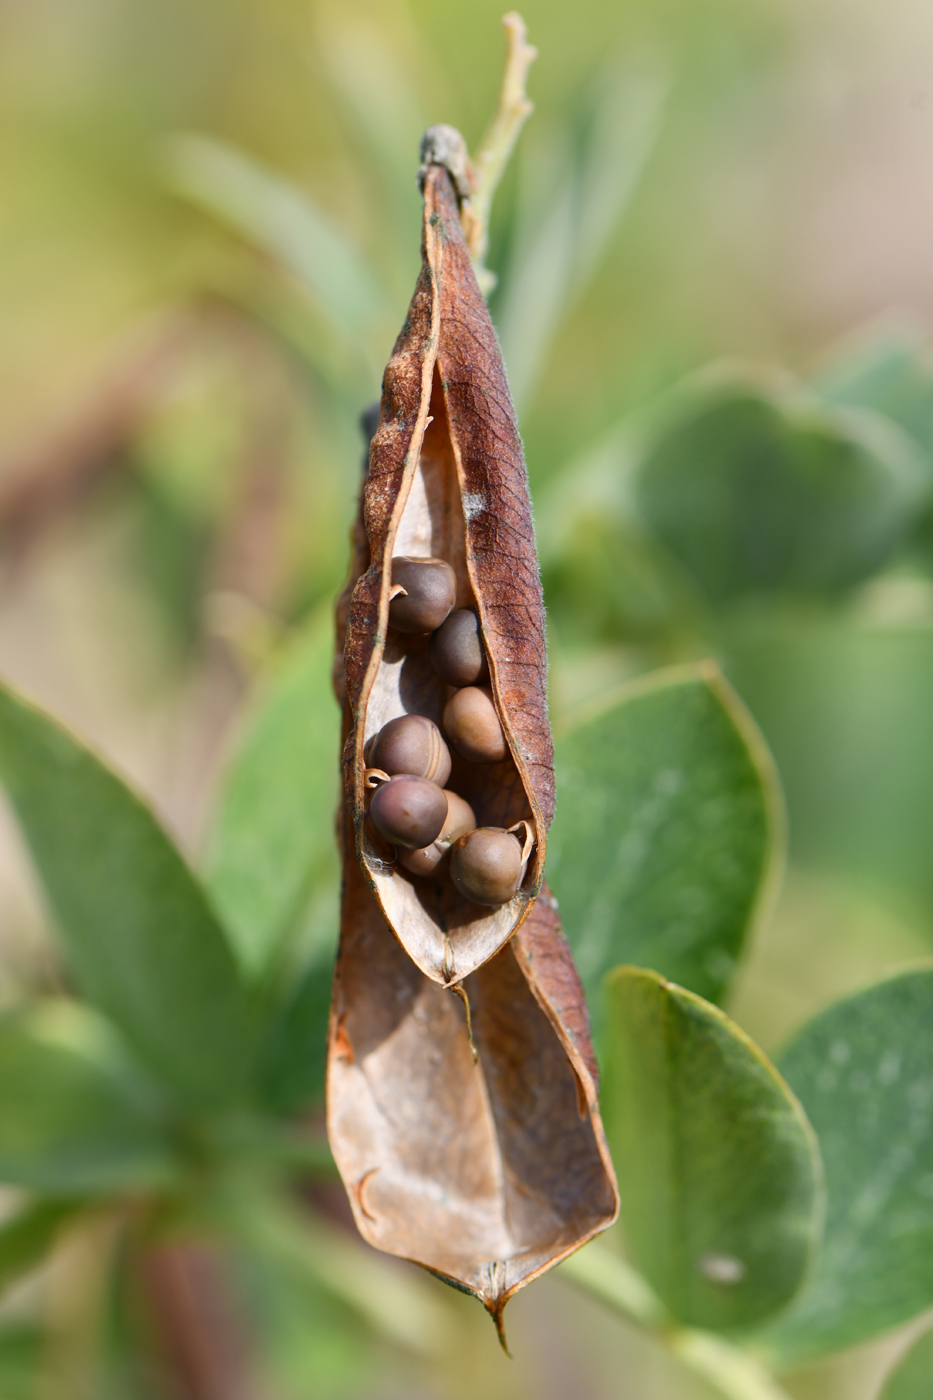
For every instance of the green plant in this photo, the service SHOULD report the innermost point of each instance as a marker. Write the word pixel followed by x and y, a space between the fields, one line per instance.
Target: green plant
pixel 160 1104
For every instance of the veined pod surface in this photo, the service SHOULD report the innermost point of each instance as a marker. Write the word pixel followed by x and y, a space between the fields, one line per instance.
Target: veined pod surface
pixel 466 1128
pixel 447 481
pixel 486 1171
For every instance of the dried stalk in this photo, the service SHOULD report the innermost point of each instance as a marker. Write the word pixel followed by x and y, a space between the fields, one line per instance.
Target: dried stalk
pixel 199 1337
pixel 497 145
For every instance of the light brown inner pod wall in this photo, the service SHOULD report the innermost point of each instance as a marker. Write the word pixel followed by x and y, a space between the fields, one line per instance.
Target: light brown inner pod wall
pixel 447 480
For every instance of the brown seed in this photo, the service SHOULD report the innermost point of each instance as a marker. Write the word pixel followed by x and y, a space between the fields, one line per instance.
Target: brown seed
pixel 486 865
pixel 460 820
pixel 430 591
pixel 409 811
pixel 411 744
pixel 472 725
pixel 456 650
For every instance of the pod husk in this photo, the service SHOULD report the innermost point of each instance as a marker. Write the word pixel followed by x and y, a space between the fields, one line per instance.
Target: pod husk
pixel 447 479
pixel 466 1127
pixel 486 1171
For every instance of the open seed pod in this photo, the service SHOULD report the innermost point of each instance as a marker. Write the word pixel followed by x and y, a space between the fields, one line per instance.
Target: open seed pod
pixel 447 481
pixel 466 1128
pixel 486 1171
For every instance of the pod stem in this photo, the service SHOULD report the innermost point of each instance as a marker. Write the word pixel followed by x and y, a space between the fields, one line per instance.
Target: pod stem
pixel 459 991
pixel 475 181
pixel 489 163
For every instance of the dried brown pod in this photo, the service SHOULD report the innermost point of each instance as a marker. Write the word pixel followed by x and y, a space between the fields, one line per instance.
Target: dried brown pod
pixel 466 1128
pixel 489 1170
pixel 447 480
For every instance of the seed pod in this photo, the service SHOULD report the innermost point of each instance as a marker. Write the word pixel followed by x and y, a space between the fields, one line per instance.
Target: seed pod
pixel 454 488
pixel 460 820
pixel 487 1173
pixel 456 650
pixel 409 811
pixel 423 593
pixel 472 725
pixel 411 744
pixel 486 866
pixel 480 1156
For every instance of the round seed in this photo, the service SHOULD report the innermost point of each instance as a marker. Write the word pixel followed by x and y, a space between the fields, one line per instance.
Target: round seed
pixel 411 744
pixel 460 819
pixel 409 811
pixel 472 725
pixel 430 590
pixel 456 650
pixel 486 866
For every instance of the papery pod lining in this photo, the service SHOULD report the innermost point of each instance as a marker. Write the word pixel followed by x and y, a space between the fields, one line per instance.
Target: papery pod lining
pixel 486 1172
pixel 447 478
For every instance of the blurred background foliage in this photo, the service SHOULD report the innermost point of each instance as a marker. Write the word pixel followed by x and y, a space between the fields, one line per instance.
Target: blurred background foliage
pixel 714 289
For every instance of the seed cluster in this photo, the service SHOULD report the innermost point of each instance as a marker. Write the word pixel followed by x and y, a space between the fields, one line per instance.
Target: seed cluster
pixel 408 761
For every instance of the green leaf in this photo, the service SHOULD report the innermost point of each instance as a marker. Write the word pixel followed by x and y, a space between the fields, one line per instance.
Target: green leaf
pixel 283 221
pixel 861 1069
pixel 912 1377
pixel 273 836
pixel 758 492
pixel 293 1052
pixel 74 1118
pixel 22 1349
pixel 143 942
pixel 668 831
pixel 890 373
pixel 845 704
pixel 27 1237
pixel 718 1170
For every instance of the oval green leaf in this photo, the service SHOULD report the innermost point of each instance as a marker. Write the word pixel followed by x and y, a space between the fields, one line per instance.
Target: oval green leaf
pixel 140 936
pixel 862 1070
pixel 757 492
pixel 272 840
pixel 718 1170
pixel 669 831
pixel 74 1118
pixel 889 372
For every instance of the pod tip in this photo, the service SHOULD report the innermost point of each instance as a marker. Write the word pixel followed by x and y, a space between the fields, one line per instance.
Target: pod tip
pixel 443 145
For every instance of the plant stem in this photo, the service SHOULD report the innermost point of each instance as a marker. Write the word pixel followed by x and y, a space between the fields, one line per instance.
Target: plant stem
pixel 497 145
pixel 608 1277
pixel 198 1330
pixel 731 1371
